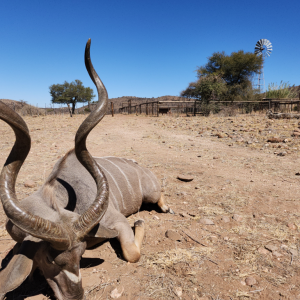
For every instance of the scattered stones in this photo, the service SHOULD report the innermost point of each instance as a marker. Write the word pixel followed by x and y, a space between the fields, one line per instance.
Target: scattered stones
pixel 271 247
pixel 225 219
pixel 250 281
pixel 185 178
pixel 173 235
pixel 29 184
pixel 206 222
pixel 115 294
pixel 237 217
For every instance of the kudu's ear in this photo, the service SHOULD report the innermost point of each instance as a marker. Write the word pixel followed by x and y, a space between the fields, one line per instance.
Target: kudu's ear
pixel 19 268
pixel 100 231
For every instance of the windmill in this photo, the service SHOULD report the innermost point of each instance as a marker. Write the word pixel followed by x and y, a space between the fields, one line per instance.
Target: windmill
pixel 264 48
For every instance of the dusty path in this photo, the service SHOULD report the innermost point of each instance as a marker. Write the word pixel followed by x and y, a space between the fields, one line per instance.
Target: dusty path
pixel 250 194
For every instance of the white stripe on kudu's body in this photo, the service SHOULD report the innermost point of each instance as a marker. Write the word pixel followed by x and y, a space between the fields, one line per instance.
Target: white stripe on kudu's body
pixel 129 185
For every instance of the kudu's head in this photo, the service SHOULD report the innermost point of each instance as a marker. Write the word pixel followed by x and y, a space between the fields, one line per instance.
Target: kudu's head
pixel 54 245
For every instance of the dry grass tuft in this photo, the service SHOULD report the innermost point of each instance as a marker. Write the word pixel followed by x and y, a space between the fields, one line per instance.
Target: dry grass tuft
pixel 171 257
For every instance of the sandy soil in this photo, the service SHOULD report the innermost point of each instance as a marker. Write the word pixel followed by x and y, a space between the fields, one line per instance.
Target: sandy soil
pixel 237 220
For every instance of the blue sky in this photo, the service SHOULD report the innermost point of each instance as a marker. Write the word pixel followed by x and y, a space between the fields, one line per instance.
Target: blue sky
pixel 139 48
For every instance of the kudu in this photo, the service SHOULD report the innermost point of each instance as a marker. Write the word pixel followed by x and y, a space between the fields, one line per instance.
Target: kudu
pixel 84 201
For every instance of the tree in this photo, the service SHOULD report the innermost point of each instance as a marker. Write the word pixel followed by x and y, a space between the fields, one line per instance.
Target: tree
pixel 236 69
pixel 225 76
pixel 206 88
pixel 71 93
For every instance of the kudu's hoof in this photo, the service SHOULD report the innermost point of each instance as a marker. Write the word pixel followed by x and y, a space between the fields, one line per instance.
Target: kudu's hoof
pixel 139 223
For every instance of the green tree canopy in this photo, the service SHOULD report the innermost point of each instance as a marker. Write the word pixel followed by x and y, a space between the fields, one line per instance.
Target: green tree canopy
pixel 224 75
pixel 71 93
pixel 205 88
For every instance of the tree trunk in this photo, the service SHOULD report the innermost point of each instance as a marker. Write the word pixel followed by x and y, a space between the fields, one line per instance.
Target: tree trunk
pixel 73 108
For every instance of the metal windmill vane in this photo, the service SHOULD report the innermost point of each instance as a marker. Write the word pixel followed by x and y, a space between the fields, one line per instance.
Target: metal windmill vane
pixel 263 47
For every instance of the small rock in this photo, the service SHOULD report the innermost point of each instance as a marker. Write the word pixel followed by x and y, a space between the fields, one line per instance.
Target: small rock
pixel 243 282
pixel 271 247
pixel 115 294
pixel 226 238
pixel 296 134
pixel 173 235
pixel 213 238
pixel 294 252
pixel 225 219
pixel 276 254
pixel 185 178
pixel 250 281
pixel 215 157
pixel 155 217
pixel 275 140
pixel 291 226
pixel 206 222
pixel 220 135
pixel 282 153
pixel 284 247
pixel 178 291
pixel 237 217
pixel 183 214
pixel 263 251
pixel 29 184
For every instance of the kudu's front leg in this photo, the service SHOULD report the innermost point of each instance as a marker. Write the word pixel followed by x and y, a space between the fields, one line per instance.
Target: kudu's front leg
pixel 130 243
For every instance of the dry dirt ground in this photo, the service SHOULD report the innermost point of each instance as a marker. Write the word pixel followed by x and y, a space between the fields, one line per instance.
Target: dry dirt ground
pixel 236 223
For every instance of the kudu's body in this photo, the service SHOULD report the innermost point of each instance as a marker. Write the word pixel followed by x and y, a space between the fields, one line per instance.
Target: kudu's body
pixel 84 201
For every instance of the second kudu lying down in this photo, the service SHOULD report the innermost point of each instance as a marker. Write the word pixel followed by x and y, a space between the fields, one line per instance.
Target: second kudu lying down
pixel 84 201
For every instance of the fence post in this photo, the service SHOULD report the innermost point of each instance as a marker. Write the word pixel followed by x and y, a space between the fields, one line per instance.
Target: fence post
pixel 157 108
pixel 147 109
pixel 112 108
pixel 129 106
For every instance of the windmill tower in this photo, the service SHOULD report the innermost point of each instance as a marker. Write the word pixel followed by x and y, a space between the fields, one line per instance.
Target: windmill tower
pixel 263 47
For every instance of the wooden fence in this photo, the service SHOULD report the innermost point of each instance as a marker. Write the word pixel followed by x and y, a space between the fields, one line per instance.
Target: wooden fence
pixel 155 108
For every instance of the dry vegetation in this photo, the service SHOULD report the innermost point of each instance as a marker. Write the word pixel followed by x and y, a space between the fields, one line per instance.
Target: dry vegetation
pixel 236 222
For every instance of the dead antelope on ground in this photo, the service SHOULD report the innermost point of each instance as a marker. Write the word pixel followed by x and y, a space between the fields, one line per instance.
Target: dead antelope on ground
pixel 84 201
